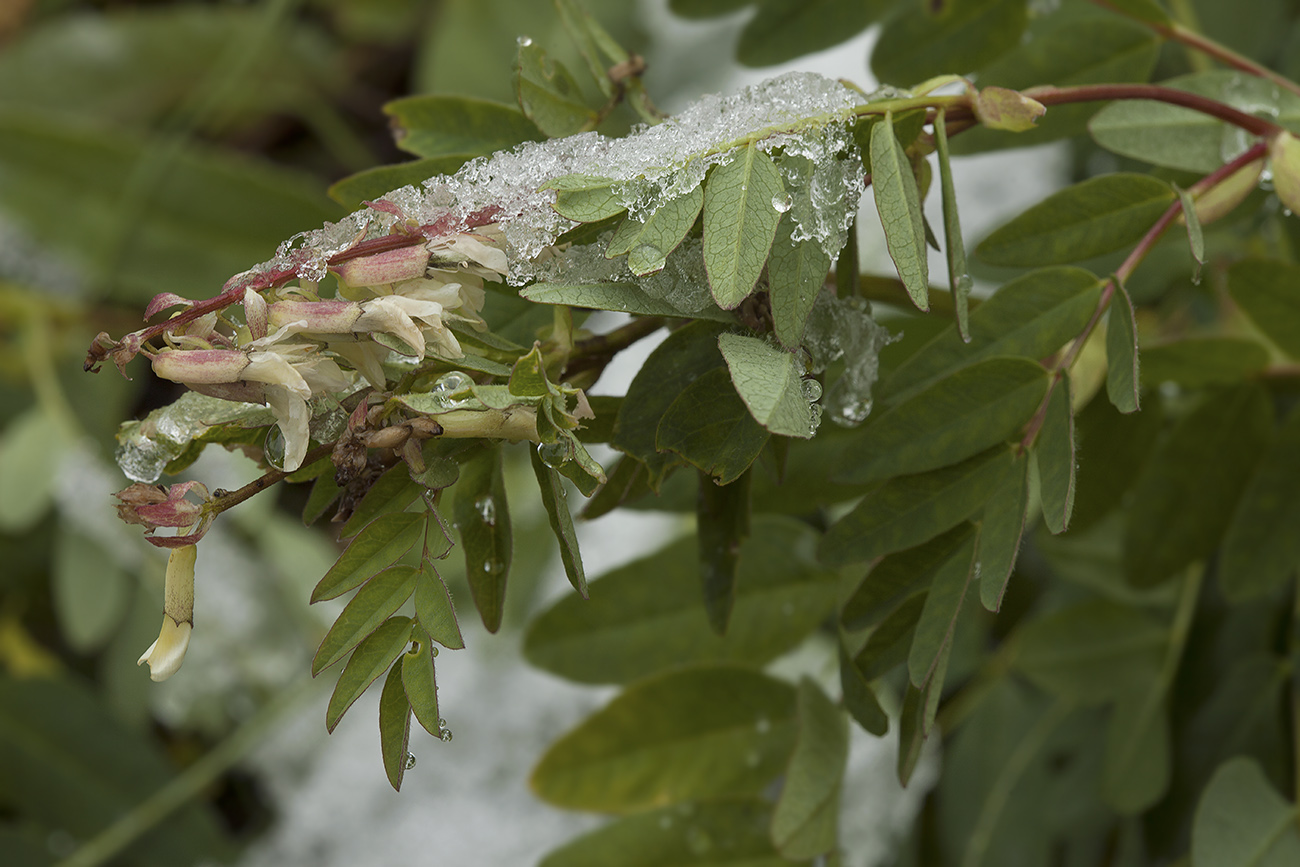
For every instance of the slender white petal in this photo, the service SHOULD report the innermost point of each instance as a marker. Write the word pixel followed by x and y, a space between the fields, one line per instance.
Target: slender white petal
pixel 167 653
pixel 293 415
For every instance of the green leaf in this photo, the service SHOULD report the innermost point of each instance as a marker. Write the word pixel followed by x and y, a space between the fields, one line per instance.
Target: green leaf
pixel 806 817
pixel 1093 217
pixel 1138 753
pixel 1242 822
pixel 710 426
pixel 1001 529
pixel 1126 441
pixel 647 242
pixel 556 502
pixel 1074 44
pixel 376 547
pixel 1092 652
pixel 30 448
pixel 483 517
pixel 692 733
pixel 374 183
pixel 1195 237
pixel 324 493
pixel 782 30
pixel 371 659
pixel 917 717
pixel 686 354
pixel 585 198
pixel 394 727
pixel 859 700
pixel 1148 11
pixel 433 608
pixel 375 601
pixel 731 833
pixel 1054 458
pixel 1032 316
pixel 963 36
pixel 796 272
pixel 890 642
pixel 901 575
pixel 958 416
pixel 648 616
pixel 549 95
pixel 437 126
pixel 89 588
pixel 528 376
pixel 420 681
pixel 1265 289
pixel 1185 497
pixel 934 630
pixel 1123 376
pixel 899 204
pixel 1197 362
pixel 1181 138
pixel 907 510
pixel 769 381
pixel 1260 550
pixel 740 219
pixel 67 761
pixel 391 492
pixel 722 525
pixel 619 297
pixel 959 278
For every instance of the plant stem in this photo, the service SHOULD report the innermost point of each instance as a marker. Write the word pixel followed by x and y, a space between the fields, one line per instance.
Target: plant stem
pixel 1149 240
pixel 183 788
pixel 229 500
pixel 595 352
pixel 1050 95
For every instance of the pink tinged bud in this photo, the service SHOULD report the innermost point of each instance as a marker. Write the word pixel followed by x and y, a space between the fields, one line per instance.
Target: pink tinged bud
pixel 321 317
pixel 163 300
pixel 153 506
pixel 390 266
pixel 255 314
pixel 167 652
pixel 200 365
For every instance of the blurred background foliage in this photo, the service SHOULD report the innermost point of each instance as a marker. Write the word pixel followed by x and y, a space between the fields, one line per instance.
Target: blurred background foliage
pixel 163 147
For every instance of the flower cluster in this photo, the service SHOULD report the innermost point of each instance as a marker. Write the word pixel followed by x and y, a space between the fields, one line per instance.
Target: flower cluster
pixel 293 346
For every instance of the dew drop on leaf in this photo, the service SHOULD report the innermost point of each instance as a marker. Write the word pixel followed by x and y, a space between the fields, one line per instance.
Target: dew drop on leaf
pixel 410 760
pixel 487 510
pixel 783 203
pixel 273 447
pixel 556 454
pixel 445 735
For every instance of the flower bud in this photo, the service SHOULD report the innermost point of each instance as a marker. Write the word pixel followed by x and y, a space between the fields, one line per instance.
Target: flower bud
pixel 200 365
pixel 321 317
pixel 390 266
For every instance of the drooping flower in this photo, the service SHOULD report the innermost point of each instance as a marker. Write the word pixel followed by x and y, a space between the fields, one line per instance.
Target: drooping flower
pixel 153 506
pixel 167 652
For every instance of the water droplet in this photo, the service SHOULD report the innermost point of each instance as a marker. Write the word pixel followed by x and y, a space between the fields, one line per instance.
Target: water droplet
pixel 452 389
pixel 273 447
pixel 762 725
pixel 556 454
pixel 433 651
pixel 647 255
pixel 445 736
pixel 782 203
pixel 744 188
pixel 812 390
pixel 524 41
pixel 442 723
pixel 487 509
pixel 850 411
pixel 410 760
